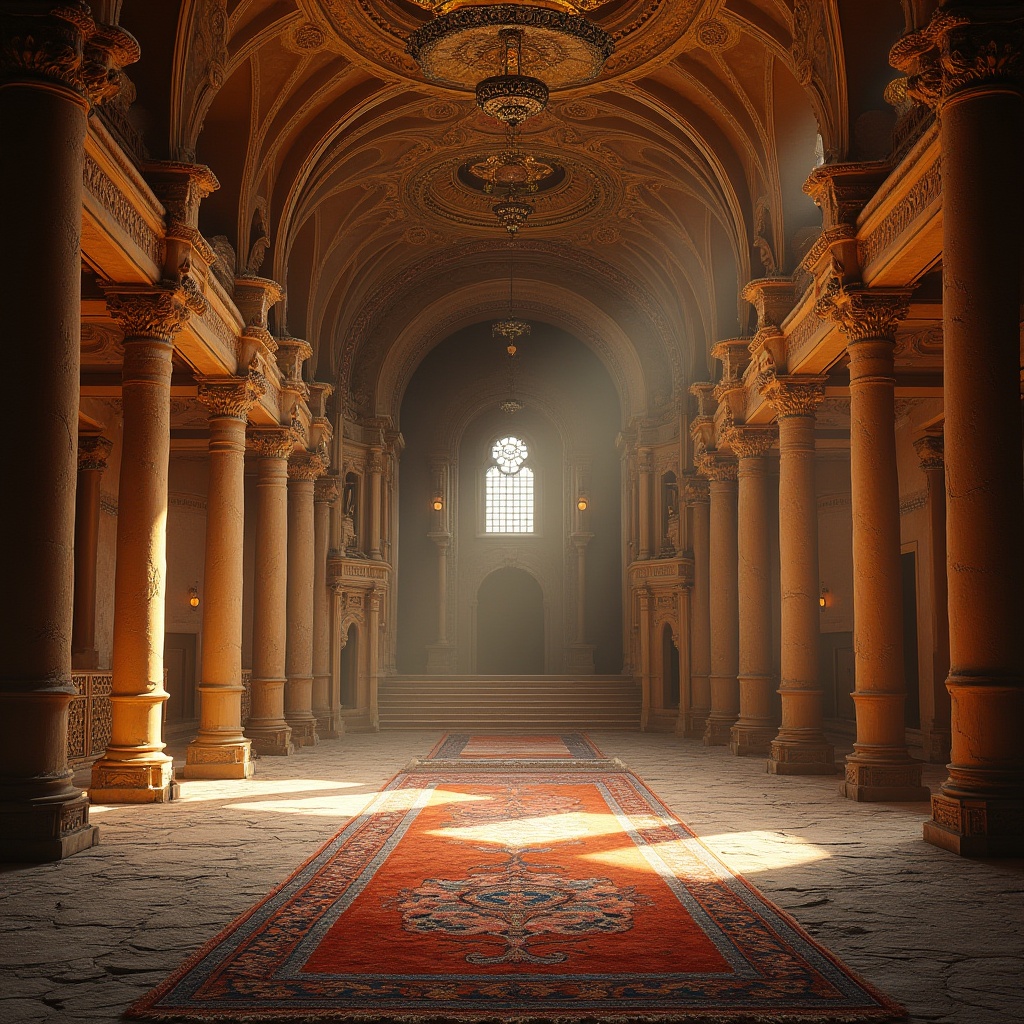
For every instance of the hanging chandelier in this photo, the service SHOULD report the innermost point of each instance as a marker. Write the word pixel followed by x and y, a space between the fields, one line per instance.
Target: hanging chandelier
pixel 512 212
pixel 551 38
pixel 511 328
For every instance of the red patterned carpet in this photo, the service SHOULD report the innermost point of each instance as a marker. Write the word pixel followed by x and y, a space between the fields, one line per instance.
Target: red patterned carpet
pixel 469 894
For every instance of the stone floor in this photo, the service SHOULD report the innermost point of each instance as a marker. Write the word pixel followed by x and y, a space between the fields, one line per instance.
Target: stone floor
pixel 80 940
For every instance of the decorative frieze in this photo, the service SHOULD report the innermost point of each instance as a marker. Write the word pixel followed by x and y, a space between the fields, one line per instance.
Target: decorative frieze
pixel 912 502
pixel 112 199
pixel 926 191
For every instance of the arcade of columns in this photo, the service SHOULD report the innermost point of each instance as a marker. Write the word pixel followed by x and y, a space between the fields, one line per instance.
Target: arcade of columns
pixel 846 301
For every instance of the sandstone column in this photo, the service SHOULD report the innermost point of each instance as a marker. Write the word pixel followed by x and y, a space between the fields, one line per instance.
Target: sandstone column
pixel 374 601
pixel 220 750
pixel 93 452
pixel 42 123
pixel 800 748
pixel 325 494
pixel 442 539
pixel 880 767
pixel 969 62
pixel 376 469
pixel 721 470
pixel 695 489
pixel 645 463
pixel 135 768
pixel 267 728
pixel 303 469
pixel 936 723
pixel 646 609
pixel 755 728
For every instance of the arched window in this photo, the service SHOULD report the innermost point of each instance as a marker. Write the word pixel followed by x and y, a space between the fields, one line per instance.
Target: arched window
pixel 509 488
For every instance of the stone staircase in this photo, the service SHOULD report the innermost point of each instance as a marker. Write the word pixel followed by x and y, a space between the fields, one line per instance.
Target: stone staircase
pixel 509 703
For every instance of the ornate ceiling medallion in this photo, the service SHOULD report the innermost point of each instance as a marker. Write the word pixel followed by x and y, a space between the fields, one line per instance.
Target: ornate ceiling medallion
pixel 466 41
pixel 511 169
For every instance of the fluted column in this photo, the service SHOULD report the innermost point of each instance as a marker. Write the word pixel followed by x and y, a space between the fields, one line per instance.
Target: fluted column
pixel 135 768
pixel 936 718
pixel 755 728
pixel 220 750
pixel 93 452
pixel 267 728
pixel 880 767
pixel 325 495
pixel 303 469
pixel 721 470
pixel 695 490
pixel 969 62
pixel 645 464
pixel 376 470
pixel 43 816
pixel 800 747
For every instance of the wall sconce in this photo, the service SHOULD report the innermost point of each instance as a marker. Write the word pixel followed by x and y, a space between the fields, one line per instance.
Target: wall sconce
pixel 193 596
pixel 582 503
pixel 437 503
pixel 823 597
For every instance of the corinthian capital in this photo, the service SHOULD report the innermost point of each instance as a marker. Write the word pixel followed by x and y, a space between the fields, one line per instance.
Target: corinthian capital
pixel 151 312
pixel 717 466
pixel 792 394
pixel 47 44
pixel 306 465
pixel 863 314
pixel 93 451
pixel 326 490
pixel 930 452
pixel 272 442
pixel 232 396
pixel 695 490
pixel 964 46
pixel 751 442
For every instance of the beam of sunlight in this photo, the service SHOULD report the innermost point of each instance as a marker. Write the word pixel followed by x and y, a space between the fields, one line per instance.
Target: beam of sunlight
pixel 520 832
pixel 340 805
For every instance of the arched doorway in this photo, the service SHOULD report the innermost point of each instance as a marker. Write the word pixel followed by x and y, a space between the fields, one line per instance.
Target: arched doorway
pixel 510 624
pixel 349 669
pixel 670 670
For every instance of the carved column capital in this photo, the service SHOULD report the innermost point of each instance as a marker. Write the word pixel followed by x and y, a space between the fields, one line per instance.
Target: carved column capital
pixel 93 451
pixel 306 465
pixel 152 312
pixel 47 45
pixel 232 396
pixel 107 50
pixel 718 467
pixel 751 442
pixel 375 461
pixel 272 442
pixel 695 490
pixel 962 47
pixel 645 460
pixel 930 450
pixel 792 394
pixel 327 490
pixel 862 314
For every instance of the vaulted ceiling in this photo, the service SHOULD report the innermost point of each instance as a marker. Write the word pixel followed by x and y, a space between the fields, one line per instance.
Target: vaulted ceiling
pixel 683 163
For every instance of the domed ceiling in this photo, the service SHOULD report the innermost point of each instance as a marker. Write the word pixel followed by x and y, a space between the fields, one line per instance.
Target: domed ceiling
pixel 361 185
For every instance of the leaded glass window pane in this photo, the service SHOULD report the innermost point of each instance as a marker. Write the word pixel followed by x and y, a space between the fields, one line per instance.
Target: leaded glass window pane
pixel 509 491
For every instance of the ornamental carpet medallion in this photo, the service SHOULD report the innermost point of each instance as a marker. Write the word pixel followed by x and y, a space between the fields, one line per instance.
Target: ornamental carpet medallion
pixel 461 895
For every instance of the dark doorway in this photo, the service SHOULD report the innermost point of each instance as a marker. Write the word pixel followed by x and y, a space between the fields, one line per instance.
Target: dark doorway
pixel 910 666
pixel 510 624
pixel 180 663
pixel 669 669
pixel 349 669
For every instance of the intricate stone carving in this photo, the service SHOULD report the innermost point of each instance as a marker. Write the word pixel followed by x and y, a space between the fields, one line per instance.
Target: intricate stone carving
pixel 751 442
pixel 152 312
pixel 93 452
pixel 930 450
pixel 695 490
pixel 327 489
pixel 272 442
pixel 719 467
pixel 922 194
pixel 792 395
pixel 99 185
pixel 48 46
pixel 863 314
pixel 304 464
pixel 232 396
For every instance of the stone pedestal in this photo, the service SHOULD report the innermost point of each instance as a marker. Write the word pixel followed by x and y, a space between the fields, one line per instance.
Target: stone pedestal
pixel 93 452
pixel 880 767
pixel 220 750
pixel 135 768
pixel 800 748
pixel 328 723
pixel 267 728
pixel 971 66
pixel 43 123
pixel 755 728
pixel 303 469
pixel 695 491
pixel 721 470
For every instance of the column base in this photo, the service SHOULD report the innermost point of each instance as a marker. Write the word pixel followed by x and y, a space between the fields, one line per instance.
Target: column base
pixel 230 760
pixel 696 721
pixel 752 740
pixel 795 757
pixel 976 826
pixel 273 740
pixel 133 782
pixel 717 730
pixel 880 781
pixel 304 732
pixel 329 725
pixel 39 831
